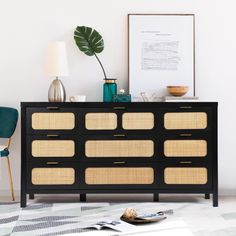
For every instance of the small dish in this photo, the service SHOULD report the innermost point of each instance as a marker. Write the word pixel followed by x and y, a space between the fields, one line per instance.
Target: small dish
pixel 142 220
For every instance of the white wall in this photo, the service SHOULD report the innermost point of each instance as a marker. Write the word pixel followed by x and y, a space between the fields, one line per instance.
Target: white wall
pixel 27 27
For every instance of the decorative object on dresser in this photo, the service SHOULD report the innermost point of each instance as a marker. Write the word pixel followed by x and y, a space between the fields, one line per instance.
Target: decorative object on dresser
pixel 96 147
pixel 109 90
pixel 56 65
pixel 177 91
pixel 78 98
pixel 90 42
pixel 8 122
pixel 180 99
pixel 122 97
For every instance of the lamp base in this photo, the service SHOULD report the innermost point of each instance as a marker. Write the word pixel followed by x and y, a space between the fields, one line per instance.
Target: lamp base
pixel 56 92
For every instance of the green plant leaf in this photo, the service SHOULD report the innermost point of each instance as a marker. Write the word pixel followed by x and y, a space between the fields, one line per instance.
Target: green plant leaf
pixel 88 40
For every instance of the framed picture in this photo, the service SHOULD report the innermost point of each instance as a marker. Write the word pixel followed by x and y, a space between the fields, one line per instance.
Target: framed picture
pixel 161 54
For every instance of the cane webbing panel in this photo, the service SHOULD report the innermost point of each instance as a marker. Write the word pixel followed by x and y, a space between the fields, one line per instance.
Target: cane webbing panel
pixel 53 176
pixel 119 148
pixel 53 121
pixel 101 121
pixel 188 175
pixel 185 148
pixel 136 120
pixel 141 175
pixel 185 120
pixel 53 148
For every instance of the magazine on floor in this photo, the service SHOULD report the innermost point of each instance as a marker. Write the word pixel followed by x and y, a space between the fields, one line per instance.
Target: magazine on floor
pixel 117 225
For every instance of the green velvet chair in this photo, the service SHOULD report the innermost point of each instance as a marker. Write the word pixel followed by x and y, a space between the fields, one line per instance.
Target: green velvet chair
pixel 8 121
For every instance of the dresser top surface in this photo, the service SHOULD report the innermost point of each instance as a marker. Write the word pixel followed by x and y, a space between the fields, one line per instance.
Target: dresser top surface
pixel 116 104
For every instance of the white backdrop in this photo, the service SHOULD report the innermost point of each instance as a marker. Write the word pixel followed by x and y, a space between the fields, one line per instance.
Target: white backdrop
pixel 28 26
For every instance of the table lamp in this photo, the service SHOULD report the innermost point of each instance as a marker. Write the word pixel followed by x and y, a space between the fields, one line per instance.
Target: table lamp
pixel 56 65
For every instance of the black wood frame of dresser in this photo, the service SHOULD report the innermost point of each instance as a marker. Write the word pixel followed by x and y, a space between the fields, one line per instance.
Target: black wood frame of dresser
pixel 113 189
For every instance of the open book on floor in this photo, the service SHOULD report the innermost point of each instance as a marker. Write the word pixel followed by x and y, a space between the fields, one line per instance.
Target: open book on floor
pixel 117 225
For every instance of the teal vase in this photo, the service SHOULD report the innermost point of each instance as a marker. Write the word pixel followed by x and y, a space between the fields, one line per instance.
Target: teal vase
pixel 109 90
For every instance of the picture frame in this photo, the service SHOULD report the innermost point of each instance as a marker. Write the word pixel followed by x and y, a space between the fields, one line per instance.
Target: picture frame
pixel 161 53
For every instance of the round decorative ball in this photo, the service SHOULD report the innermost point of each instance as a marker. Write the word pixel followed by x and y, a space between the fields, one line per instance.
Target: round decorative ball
pixel 130 213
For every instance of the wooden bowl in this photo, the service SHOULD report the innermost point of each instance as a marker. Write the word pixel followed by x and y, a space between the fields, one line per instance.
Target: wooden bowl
pixel 177 91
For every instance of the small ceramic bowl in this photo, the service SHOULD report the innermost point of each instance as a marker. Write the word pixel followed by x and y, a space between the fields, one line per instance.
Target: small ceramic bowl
pixel 177 91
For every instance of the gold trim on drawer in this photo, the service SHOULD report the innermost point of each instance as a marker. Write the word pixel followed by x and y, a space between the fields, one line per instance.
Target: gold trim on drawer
pixel 139 175
pixel 185 148
pixel 53 121
pixel 101 121
pixel 119 148
pixel 185 120
pixel 188 175
pixel 53 176
pixel 138 120
pixel 53 148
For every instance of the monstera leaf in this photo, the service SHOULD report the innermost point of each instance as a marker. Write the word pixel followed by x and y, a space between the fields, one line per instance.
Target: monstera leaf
pixel 88 40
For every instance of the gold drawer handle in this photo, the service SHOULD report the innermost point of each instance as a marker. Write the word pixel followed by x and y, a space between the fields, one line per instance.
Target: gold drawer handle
pixel 119 135
pixel 185 135
pixel 185 162
pixel 52 163
pixel 186 107
pixel 53 108
pixel 118 162
pixel 119 108
pixel 52 135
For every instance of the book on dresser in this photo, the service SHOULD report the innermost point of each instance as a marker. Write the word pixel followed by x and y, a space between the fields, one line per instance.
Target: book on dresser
pixel 95 147
pixel 180 99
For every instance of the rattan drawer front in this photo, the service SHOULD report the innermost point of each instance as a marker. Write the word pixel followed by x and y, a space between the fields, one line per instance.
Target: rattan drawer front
pixel 138 120
pixel 185 148
pixel 53 121
pixel 119 148
pixel 185 120
pixel 53 148
pixel 53 176
pixel 185 175
pixel 125 175
pixel 101 121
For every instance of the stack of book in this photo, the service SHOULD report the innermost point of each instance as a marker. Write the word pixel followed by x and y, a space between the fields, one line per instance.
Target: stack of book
pixel 180 99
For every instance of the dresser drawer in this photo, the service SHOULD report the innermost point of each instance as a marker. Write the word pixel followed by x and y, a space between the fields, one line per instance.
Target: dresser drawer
pixel 61 148
pixel 53 175
pixel 116 147
pixel 118 119
pixel 198 149
pixel 51 119
pixel 101 121
pixel 186 175
pixel 119 176
pixel 187 118
pixel 138 120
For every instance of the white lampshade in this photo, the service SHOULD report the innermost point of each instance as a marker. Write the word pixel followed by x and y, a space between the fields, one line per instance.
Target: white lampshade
pixel 56 60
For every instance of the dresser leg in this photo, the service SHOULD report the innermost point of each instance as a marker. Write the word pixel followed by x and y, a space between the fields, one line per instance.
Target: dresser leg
pixel 83 197
pixel 31 196
pixel 156 197
pixel 215 200
pixel 207 196
pixel 23 200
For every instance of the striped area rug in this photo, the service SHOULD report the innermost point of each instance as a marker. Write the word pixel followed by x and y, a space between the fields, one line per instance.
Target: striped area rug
pixel 70 218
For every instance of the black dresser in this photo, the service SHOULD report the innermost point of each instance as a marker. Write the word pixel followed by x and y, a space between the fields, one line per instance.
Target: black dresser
pixel 96 147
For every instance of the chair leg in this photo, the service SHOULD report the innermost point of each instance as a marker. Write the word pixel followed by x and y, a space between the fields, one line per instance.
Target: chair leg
pixel 11 182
